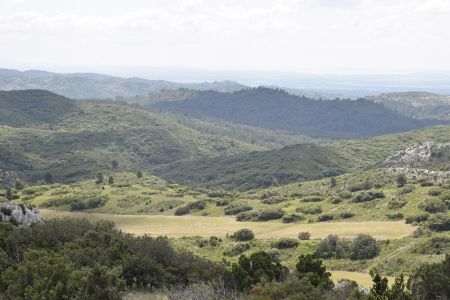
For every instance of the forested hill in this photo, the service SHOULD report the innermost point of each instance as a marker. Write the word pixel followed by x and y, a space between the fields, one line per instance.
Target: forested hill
pixel 99 86
pixel 276 109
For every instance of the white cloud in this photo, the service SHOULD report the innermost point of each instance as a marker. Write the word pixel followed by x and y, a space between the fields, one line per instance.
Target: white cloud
pixel 287 34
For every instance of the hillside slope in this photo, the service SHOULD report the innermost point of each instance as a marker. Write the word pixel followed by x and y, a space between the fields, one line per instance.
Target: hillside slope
pixel 296 163
pixel 73 139
pixel 278 110
pixel 98 86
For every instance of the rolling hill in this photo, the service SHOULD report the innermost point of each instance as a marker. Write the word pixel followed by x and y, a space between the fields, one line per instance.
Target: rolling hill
pixel 277 110
pixel 98 86
pixel 42 132
pixel 298 162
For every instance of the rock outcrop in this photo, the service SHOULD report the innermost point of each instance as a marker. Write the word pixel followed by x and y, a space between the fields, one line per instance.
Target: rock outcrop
pixel 415 156
pixel 19 214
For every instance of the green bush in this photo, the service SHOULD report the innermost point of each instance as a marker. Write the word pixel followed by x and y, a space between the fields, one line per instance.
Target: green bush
pixel 237 249
pixel 312 199
pixel 243 235
pixel 309 210
pixel 292 218
pixel 426 183
pixel 347 215
pixel 333 246
pixel 368 196
pixel 395 216
pixel 304 236
pixel 325 217
pixel 222 202
pixel 439 222
pixel 396 203
pixel 364 247
pixel 182 210
pixel 434 206
pixel 285 243
pixel 263 215
pixel 417 218
pixel 404 191
pixel 335 200
pixel 434 192
pixel 234 209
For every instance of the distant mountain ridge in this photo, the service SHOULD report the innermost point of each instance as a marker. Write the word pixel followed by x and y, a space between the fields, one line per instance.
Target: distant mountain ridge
pixel 99 86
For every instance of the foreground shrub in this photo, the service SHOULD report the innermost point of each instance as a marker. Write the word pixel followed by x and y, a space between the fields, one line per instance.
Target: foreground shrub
pixel 325 217
pixel 439 222
pixel 312 199
pixel 333 246
pixel 434 206
pixel 309 210
pixel 368 196
pixel 347 215
pixel 285 243
pixel 395 216
pixel 417 218
pixel 396 203
pixel 243 235
pixel 263 215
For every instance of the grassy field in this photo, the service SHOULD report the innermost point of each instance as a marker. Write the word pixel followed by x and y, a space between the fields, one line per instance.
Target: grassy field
pixel 363 279
pixel 181 226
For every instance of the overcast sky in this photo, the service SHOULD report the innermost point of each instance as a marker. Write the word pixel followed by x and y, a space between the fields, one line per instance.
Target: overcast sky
pixel 299 35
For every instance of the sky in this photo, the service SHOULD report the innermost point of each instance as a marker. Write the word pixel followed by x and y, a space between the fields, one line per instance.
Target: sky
pixel 322 36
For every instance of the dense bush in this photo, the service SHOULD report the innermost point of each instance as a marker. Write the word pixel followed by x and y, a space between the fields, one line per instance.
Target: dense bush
pixel 434 206
pixel 325 217
pixel 273 200
pixel 243 235
pixel 237 249
pixel 292 218
pixel 222 202
pixel 182 210
pixel 234 209
pixel 404 191
pixel 401 180
pixel 434 192
pixel 439 222
pixel 364 247
pixel 417 218
pixel 347 215
pixel 345 195
pixel 285 243
pixel 76 259
pixel 186 209
pixel 396 203
pixel 426 183
pixel 311 199
pixel 263 215
pixel 335 200
pixel 304 236
pixel 333 246
pixel 368 196
pixel 309 210
pixel 361 186
pixel 395 216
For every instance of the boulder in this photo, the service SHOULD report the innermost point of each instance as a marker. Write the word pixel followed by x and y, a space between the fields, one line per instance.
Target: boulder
pixel 19 214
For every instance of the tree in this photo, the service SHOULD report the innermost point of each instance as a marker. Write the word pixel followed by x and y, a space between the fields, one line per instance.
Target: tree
pixel 364 247
pixel 110 179
pixel 333 182
pixel 99 178
pixel 431 281
pixel 19 185
pixel 9 194
pixel 380 286
pixel 139 174
pixel 114 164
pixel 313 269
pixel 401 180
pixel 48 178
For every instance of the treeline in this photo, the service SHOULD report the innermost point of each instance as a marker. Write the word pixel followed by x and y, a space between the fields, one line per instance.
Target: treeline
pixel 76 259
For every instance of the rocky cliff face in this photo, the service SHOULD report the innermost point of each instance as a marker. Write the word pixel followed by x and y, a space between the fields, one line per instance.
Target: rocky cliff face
pixel 19 214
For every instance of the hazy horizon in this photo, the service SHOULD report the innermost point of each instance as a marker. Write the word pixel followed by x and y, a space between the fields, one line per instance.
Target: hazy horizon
pixel 311 37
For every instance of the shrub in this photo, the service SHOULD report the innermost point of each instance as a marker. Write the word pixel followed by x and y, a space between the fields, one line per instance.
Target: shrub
pixel 396 203
pixel 333 246
pixel 237 249
pixel 222 202
pixel 243 235
pixel 199 205
pixel 364 247
pixel 270 214
pixel 325 217
pixel 434 192
pixel 285 243
pixel 309 210
pixel 236 209
pixel 292 218
pixel 417 218
pixel 368 196
pixel 404 191
pixel 426 183
pixel 439 222
pixel 335 200
pixel 434 206
pixel 361 186
pixel 247 216
pixel 345 195
pixel 401 180
pixel 273 200
pixel 304 236
pixel 347 215
pixel 311 199
pixel 182 210
pixel 395 216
